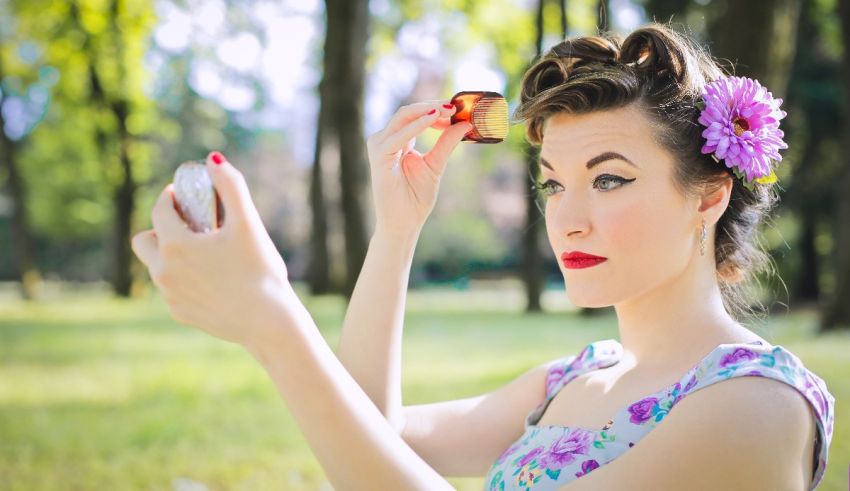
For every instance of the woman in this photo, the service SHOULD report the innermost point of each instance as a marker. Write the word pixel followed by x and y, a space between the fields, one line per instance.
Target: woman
pixel 634 135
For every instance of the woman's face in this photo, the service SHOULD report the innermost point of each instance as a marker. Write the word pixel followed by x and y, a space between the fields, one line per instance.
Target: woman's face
pixel 599 204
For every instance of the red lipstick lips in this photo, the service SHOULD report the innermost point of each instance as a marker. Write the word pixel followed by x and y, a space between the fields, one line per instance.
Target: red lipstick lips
pixel 578 260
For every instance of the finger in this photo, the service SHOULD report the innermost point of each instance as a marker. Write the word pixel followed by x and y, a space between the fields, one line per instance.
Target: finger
pixel 437 157
pixel 397 140
pixel 232 189
pixel 412 112
pixel 409 146
pixel 442 123
pixel 412 153
pixel 165 217
pixel 146 247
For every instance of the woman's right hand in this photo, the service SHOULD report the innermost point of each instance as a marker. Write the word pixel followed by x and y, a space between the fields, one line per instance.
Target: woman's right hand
pixel 404 181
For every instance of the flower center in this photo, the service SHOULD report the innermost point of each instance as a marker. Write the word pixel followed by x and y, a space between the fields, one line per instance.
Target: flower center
pixel 741 125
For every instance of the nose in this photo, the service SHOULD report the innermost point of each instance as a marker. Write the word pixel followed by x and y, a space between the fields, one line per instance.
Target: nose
pixel 569 218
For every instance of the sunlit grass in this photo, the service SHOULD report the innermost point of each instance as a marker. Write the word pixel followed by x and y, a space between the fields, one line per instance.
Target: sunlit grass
pixel 100 393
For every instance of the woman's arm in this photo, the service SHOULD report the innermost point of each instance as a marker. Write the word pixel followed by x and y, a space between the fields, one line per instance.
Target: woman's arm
pixel 460 437
pixel 404 188
pixel 233 284
pixel 370 342
pixel 352 440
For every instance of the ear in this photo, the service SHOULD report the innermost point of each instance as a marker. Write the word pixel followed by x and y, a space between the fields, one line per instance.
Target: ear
pixel 715 200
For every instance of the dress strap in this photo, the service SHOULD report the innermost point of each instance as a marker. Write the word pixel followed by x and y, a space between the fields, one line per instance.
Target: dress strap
pixel 598 354
pixel 776 362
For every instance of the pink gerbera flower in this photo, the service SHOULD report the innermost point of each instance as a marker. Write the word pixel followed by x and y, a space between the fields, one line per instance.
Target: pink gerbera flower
pixel 742 126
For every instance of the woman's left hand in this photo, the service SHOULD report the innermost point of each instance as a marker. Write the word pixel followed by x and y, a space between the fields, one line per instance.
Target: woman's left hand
pixel 227 282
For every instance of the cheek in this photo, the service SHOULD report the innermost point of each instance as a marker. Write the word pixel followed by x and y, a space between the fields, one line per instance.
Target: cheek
pixel 626 226
pixel 645 230
pixel 548 210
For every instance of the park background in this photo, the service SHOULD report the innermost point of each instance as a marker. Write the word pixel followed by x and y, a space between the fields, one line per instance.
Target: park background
pixel 100 100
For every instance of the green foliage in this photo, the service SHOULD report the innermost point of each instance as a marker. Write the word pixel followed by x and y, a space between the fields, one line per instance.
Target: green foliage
pixel 70 160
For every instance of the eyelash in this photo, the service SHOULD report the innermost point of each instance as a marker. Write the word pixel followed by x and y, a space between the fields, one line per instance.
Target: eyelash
pixel 545 188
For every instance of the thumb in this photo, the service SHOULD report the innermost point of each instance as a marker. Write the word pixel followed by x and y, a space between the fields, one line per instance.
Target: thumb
pixel 436 158
pixel 232 188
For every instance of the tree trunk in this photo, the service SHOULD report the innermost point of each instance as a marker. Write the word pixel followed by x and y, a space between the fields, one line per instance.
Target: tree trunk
pixel 26 269
pixel 319 272
pixel 532 264
pixel 350 19
pixel 125 193
pixel 664 11
pixel 603 21
pixel 806 288
pixel 836 314
pixel 125 204
pixel 805 198
pixel 564 20
pixel 760 36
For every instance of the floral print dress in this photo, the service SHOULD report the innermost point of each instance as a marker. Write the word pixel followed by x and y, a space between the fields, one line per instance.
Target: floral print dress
pixel 548 457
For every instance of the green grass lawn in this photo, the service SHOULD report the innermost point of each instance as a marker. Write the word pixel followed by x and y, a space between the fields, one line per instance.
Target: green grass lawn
pixel 101 393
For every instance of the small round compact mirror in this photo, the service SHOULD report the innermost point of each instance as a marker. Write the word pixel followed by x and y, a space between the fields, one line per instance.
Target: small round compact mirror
pixel 196 200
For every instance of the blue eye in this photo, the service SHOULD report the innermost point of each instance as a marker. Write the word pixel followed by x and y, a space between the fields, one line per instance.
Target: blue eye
pixel 610 178
pixel 546 188
pixel 603 182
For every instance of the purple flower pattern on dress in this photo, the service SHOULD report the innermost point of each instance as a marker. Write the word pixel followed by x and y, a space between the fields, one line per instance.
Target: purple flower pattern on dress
pixel 678 394
pixel 691 383
pixel 530 455
pixel 737 356
pixel 513 448
pixel 641 411
pixel 548 457
pixel 564 449
pixel 587 466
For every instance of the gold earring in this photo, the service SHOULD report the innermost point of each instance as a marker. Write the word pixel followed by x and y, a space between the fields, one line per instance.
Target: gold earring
pixel 702 236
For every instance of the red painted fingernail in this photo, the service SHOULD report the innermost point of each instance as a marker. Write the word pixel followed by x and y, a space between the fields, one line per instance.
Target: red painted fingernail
pixel 448 106
pixel 432 111
pixel 217 158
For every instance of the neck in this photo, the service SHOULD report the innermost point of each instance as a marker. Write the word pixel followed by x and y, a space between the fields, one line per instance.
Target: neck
pixel 680 319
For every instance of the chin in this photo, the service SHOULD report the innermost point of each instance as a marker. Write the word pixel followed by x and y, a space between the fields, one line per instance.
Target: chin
pixel 589 300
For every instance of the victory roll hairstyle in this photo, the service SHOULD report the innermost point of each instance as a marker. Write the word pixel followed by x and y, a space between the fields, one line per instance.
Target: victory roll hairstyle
pixel 663 73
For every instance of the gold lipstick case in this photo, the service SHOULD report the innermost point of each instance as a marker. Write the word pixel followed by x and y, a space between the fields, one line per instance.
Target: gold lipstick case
pixel 488 113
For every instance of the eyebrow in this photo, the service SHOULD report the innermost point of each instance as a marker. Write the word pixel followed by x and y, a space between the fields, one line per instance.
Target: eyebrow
pixel 594 161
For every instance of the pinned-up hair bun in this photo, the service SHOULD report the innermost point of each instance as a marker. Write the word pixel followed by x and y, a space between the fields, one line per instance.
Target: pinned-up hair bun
pixel 655 53
pixel 602 49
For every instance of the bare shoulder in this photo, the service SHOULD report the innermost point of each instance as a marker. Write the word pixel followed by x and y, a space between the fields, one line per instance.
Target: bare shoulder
pixel 743 433
pixel 462 438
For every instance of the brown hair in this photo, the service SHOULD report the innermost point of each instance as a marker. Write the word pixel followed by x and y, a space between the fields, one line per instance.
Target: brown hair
pixel 662 72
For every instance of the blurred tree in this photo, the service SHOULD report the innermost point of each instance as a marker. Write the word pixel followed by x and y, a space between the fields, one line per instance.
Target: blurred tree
pixel 603 10
pixel 532 261
pixel 837 311
pixel 532 265
pixel 26 269
pixel 759 36
pixel 115 35
pixel 341 118
pixel 351 18
pixel 62 177
pixel 562 4
pixel 814 127
pixel 83 146
pixel 667 10
pixel 319 271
